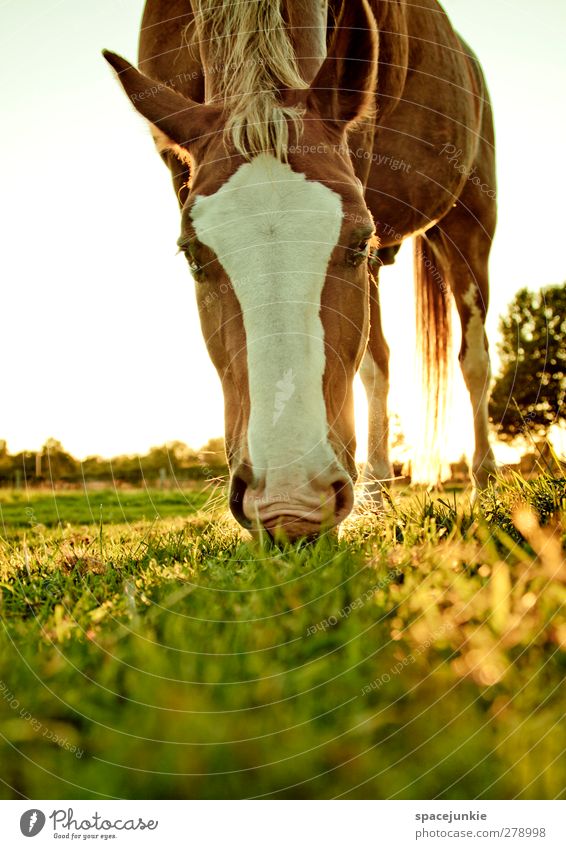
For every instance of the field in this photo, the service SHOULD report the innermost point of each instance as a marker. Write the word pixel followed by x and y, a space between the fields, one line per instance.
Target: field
pixel 149 650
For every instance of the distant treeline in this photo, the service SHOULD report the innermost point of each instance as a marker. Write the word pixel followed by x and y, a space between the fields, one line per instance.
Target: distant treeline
pixel 173 461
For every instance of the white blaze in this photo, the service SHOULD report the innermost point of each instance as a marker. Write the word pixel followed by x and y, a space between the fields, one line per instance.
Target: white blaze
pixel 273 232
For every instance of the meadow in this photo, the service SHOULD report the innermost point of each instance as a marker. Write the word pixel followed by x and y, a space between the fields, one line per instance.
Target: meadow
pixel 149 649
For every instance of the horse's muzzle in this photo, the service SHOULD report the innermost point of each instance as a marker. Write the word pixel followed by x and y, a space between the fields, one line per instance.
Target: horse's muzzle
pixel 296 513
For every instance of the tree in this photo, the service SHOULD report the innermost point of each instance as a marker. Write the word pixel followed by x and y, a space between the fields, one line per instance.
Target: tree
pixel 57 464
pixel 6 462
pixel 173 458
pixel 528 395
pixel 213 453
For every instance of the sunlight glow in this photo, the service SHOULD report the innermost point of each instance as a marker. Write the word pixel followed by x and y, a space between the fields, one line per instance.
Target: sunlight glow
pixel 101 342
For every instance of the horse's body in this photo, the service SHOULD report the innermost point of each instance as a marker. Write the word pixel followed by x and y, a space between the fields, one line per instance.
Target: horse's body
pixel 425 158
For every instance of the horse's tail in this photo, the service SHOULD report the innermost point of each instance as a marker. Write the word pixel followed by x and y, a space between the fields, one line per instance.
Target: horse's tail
pixel 433 311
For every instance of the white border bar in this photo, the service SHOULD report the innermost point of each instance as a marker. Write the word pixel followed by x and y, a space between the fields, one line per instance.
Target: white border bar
pixel 290 824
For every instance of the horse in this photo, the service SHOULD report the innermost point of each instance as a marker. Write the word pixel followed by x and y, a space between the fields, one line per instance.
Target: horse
pixel 283 123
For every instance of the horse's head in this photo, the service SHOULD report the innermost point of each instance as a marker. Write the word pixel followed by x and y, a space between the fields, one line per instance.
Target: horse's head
pixel 278 247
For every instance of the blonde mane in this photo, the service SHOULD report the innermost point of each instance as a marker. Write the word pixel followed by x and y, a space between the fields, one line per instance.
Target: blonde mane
pixel 250 56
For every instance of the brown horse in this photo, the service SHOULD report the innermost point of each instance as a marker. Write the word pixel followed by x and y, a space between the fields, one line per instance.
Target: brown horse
pixel 306 141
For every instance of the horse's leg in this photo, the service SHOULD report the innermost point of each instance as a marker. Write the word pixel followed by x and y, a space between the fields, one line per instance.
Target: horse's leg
pixel 461 243
pixel 374 372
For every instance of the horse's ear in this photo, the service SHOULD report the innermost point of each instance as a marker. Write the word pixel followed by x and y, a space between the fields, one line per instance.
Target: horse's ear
pixel 179 119
pixel 344 88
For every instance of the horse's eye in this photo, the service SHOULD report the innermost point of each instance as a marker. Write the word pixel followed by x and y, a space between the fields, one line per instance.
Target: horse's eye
pixel 189 249
pixel 359 253
pixel 196 269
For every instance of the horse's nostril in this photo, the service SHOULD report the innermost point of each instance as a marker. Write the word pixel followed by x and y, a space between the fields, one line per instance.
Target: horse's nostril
pixel 343 498
pixel 339 494
pixel 238 488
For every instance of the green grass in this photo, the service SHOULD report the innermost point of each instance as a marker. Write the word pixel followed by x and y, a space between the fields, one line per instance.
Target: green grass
pixel 19 509
pixel 421 655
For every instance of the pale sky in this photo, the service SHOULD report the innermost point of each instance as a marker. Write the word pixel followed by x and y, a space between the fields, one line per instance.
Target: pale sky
pixel 100 340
